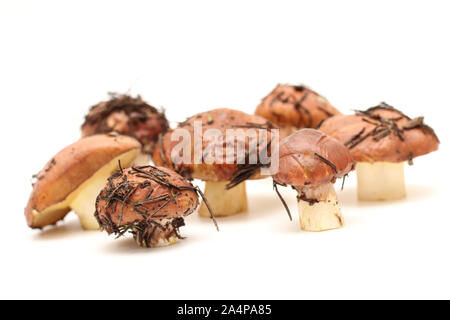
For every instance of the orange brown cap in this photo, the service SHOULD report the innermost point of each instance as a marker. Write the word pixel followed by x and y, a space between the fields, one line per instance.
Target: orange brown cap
pixel 309 158
pixel 295 106
pixel 128 116
pixel 222 120
pixel 382 133
pixel 150 202
pixel 68 170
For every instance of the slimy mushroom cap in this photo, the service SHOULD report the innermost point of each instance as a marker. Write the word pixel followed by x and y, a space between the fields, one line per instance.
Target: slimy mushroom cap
pixel 310 158
pixel 295 106
pixel 219 119
pixel 59 183
pixel 128 116
pixel 382 133
pixel 150 202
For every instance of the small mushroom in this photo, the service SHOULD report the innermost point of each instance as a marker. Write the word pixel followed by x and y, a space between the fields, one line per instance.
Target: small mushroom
pixel 295 107
pixel 381 139
pixel 225 182
pixel 310 162
pixel 128 116
pixel 149 202
pixel 72 179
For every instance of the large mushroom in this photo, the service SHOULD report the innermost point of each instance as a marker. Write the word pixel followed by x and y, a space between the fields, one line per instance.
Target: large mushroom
pixel 130 116
pixel 381 139
pixel 72 179
pixel 295 107
pixel 149 202
pixel 220 158
pixel 310 162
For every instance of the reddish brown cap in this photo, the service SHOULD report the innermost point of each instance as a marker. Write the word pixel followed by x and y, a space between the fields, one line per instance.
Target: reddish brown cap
pixel 128 116
pixel 67 170
pixel 382 133
pixel 143 193
pixel 219 119
pixel 148 201
pixel 295 106
pixel 310 158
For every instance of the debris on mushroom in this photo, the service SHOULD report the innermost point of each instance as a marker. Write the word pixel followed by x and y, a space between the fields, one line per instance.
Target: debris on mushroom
pixel 225 179
pixel 130 116
pixel 381 139
pixel 310 162
pixel 72 179
pixel 295 107
pixel 149 202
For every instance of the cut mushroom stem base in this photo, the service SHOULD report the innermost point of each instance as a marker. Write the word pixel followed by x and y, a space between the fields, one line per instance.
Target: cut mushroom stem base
pixel 380 180
pixel 318 208
pixel 224 202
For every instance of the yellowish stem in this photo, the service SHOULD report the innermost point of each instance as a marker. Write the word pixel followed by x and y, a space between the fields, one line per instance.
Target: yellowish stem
pixel 224 202
pixel 380 180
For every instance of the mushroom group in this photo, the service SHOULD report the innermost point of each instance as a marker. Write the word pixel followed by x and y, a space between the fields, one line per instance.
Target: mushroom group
pixel 107 180
pixel 381 139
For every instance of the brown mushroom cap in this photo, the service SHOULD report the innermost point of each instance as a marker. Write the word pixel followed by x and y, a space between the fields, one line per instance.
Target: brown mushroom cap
pixel 128 116
pixel 144 193
pixel 150 202
pixel 310 158
pixel 295 106
pixel 67 171
pixel 382 133
pixel 221 119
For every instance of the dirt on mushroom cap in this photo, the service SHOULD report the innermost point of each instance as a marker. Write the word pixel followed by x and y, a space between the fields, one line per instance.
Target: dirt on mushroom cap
pixel 129 116
pixel 382 133
pixel 295 106
pixel 220 119
pixel 310 158
pixel 144 194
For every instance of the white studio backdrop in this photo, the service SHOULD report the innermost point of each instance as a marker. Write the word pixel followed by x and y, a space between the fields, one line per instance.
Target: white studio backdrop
pixel 59 58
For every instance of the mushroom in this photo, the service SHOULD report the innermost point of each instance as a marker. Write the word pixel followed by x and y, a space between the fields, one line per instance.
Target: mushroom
pixel 225 179
pixel 72 179
pixel 128 116
pixel 149 202
pixel 310 162
pixel 380 140
pixel 295 107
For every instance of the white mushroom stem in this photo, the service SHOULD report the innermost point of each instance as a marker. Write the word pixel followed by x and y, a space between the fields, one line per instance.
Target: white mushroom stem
pixel 380 180
pixel 142 159
pixel 222 201
pixel 318 208
pixel 82 201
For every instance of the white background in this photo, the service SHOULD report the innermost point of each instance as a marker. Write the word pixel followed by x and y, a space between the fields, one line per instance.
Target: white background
pixel 59 58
